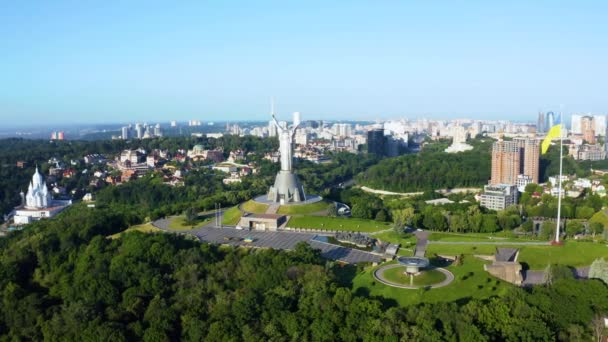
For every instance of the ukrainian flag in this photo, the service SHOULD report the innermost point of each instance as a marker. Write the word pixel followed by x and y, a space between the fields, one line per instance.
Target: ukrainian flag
pixel 554 132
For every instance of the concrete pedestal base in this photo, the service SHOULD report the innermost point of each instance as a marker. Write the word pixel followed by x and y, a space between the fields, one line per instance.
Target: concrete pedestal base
pixel 286 189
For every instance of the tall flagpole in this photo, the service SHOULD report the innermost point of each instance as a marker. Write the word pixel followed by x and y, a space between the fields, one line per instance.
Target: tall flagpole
pixel 559 194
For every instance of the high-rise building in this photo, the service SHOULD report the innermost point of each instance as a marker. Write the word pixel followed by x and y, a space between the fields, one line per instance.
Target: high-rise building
pixel 540 124
pixel 157 131
pixel 272 129
pixel 376 141
pixel 506 162
pixel 511 159
pixel 139 130
pixel 530 158
pixel 173 123
pixel 124 133
pixel 550 122
pixel 600 124
pixel 297 118
pixel 342 130
pixel 588 129
pixel 575 124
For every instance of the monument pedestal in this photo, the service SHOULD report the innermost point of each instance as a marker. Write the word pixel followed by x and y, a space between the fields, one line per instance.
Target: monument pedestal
pixel 286 189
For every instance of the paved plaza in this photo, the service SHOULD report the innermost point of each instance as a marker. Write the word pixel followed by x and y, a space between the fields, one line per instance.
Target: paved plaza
pixel 282 240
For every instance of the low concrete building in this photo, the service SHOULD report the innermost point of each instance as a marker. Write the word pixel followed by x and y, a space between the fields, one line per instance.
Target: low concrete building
pixel 262 221
pixel 499 197
pixel 505 266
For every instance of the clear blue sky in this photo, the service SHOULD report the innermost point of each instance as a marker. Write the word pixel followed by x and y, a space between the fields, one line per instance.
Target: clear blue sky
pixel 101 61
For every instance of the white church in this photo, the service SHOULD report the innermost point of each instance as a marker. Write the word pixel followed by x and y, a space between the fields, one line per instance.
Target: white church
pixel 38 203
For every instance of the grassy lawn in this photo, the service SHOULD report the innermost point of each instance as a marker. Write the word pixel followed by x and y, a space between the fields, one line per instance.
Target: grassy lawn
pixel 232 216
pixel 144 228
pixel 462 249
pixel 406 242
pixel 471 281
pixel 572 253
pixel 337 223
pixel 397 275
pixel 478 237
pixel 179 223
pixel 303 209
pixel 254 207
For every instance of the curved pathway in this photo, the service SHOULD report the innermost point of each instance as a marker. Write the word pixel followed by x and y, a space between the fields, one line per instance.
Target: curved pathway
pixel 379 275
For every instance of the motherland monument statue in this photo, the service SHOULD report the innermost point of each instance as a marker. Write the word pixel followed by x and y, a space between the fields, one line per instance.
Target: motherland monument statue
pixel 287 187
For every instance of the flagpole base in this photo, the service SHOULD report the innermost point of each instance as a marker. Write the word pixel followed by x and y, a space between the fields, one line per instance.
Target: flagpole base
pixel 557 243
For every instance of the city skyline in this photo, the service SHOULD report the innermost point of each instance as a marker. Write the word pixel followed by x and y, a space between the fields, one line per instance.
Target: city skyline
pixel 82 63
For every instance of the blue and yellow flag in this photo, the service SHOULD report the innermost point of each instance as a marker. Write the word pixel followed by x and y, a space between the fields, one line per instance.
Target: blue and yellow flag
pixel 554 132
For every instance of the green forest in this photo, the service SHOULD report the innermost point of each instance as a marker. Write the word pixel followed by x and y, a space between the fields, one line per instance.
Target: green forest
pixel 433 169
pixel 63 280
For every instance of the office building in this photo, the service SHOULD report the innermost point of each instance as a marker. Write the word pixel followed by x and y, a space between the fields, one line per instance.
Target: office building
pixel 499 196
pixel 376 141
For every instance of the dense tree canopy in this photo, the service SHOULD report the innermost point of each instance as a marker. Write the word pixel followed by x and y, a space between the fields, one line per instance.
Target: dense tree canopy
pixel 430 169
pixel 62 279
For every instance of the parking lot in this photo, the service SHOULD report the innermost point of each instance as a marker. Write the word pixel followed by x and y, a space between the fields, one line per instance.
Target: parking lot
pixel 282 240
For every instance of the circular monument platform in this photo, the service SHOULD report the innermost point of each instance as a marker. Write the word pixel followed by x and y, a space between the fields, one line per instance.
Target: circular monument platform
pixel 396 275
pixel 413 264
pixel 309 199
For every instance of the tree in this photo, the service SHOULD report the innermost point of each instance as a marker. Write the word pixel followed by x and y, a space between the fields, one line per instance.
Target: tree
pixel 360 210
pixel 527 226
pixel 489 224
pixel 596 228
pixel 574 227
pixel 332 209
pixel 599 270
pixel 547 230
pixel 398 227
pixel 405 215
pixel 381 216
pixel 190 216
pixel 458 223
pixel 584 212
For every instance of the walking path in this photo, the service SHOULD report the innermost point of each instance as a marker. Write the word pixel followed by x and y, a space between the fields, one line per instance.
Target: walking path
pixel 422 241
pixel 418 193
pixel 529 243
pixel 538 277
pixel 379 275
pixel 273 208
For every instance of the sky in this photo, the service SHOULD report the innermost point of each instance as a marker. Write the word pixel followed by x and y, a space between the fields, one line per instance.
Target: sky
pixel 127 61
